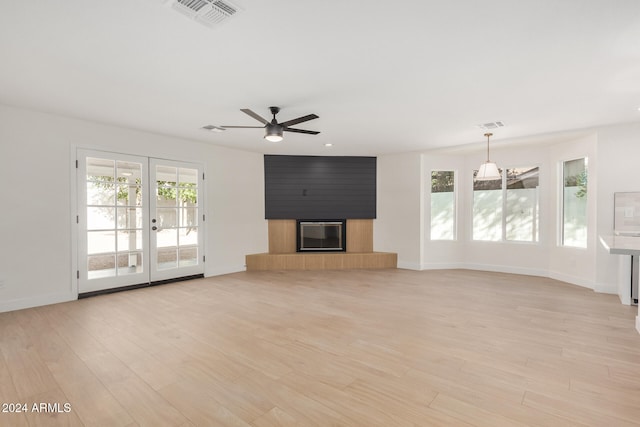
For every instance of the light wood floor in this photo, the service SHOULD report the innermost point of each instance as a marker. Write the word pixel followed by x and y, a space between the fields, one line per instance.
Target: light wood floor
pixel 332 348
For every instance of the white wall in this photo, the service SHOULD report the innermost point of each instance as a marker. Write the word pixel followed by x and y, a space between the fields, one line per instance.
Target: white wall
pixel 35 219
pixel 398 226
pixel 575 265
pixel 618 159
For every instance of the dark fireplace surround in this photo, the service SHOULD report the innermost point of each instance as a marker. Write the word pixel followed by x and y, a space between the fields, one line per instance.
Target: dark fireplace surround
pixel 326 235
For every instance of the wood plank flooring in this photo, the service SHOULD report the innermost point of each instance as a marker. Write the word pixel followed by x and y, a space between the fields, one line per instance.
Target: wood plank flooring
pixel 328 348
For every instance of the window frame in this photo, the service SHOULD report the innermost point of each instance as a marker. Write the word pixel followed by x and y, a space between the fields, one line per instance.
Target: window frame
pixel 455 204
pixel 561 203
pixel 504 190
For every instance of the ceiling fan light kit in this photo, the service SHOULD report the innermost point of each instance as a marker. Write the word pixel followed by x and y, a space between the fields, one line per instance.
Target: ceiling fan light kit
pixel 272 129
pixel 273 133
pixel 488 171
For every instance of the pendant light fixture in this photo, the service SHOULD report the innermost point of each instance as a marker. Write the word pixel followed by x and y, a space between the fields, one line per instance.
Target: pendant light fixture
pixel 488 171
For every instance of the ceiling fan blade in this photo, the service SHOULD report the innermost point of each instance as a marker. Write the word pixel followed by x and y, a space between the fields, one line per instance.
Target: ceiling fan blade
pixel 254 115
pixel 310 132
pixel 242 127
pixel 299 120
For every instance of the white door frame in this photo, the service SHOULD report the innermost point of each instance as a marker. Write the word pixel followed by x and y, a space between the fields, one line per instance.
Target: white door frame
pixel 80 284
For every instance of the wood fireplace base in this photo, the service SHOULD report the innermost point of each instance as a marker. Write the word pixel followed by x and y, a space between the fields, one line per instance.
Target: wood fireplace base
pixel 283 256
pixel 321 261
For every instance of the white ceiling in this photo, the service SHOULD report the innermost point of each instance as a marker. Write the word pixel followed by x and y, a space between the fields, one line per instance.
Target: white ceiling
pixel 384 77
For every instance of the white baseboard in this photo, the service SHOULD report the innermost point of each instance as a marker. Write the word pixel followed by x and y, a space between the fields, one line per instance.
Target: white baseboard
pixel 409 265
pixel 225 270
pixel 506 269
pixel 442 266
pixel 625 300
pixel 30 302
pixel 579 281
pixel 604 288
pixel 511 270
pixel 520 270
pixel 638 323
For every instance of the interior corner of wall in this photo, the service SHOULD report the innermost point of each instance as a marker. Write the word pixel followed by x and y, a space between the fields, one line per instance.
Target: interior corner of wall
pixel 606 288
pixel 409 265
pixel 579 281
pixel 219 271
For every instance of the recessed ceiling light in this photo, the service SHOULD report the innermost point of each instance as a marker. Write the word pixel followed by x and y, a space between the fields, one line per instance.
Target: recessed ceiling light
pixel 212 128
pixel 328 144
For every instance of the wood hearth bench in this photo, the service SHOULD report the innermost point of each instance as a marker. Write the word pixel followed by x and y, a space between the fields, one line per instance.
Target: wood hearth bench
pixel 282 253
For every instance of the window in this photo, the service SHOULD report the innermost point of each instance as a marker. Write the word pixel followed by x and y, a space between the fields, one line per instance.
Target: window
pixel 521 210
pixel 487 209
pixel 443 205
pixel 507 209
pixel 574 203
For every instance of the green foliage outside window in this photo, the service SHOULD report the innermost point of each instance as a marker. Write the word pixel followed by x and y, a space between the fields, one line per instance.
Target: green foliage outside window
pixel 442 181
pixel 582 183
pixel 186 193
pixel 578 179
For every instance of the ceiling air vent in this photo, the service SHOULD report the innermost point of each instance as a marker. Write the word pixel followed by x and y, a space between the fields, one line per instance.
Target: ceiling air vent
pixel 491 125
pixel 207 12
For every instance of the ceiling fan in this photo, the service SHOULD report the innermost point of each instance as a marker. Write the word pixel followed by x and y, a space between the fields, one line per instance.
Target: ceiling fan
pixel 273 129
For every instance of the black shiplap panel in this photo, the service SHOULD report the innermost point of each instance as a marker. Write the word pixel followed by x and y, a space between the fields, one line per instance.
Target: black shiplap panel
pixel 319 187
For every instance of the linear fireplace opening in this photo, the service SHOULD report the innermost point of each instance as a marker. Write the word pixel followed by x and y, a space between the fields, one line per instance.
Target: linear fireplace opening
pixel 321 235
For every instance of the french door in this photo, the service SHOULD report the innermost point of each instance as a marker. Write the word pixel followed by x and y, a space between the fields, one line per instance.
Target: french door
pixel 176 228
pixel 140 220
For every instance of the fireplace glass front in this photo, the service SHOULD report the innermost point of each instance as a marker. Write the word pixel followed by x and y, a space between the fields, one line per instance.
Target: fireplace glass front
pixel 321 235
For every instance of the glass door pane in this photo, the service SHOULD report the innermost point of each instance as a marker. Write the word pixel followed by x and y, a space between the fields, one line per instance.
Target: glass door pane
pixel 111 220
pixel 176 238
